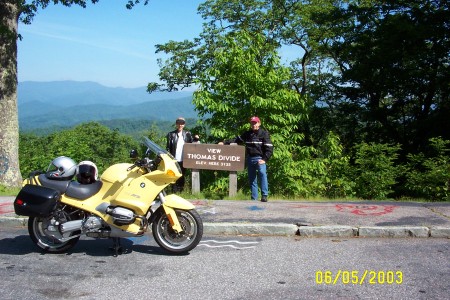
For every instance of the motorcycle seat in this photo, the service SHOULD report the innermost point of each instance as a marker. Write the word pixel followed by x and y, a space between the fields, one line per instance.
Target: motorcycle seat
pixel 83 191
pixel 59 185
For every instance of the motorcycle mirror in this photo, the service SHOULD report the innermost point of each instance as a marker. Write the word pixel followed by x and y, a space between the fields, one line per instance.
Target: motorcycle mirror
pixel 133 153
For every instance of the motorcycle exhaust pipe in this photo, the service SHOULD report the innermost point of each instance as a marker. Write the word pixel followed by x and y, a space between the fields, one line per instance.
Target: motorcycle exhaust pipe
pixel 71 226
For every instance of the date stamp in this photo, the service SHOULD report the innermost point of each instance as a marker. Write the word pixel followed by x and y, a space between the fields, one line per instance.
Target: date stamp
pixel 359 277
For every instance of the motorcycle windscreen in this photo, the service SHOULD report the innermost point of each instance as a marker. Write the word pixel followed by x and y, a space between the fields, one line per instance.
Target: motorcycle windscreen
pixel 36 201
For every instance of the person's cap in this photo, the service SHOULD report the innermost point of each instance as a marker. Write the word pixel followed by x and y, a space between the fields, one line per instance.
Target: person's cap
pixel 180 120
pixel 255 119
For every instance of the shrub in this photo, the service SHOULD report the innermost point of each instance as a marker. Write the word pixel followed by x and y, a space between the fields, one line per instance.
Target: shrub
pixel 428 174
pixel 374 172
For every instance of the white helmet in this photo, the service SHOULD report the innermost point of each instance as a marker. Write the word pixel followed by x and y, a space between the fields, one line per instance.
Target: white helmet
pixel 61 168
pixel 87 172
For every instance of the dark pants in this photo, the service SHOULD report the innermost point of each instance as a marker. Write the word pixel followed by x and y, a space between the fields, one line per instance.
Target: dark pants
pixel 179 184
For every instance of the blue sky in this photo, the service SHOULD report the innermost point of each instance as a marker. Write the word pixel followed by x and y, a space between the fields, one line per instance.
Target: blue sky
pixel 104 43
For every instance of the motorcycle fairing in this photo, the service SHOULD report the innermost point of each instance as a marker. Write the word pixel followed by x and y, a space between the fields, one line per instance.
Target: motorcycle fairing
pixel 173 201
pixel 176 201
pixel 115 173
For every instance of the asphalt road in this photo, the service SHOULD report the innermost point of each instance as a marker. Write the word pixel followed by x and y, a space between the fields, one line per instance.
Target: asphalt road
pixel 311 219
pixel 224 267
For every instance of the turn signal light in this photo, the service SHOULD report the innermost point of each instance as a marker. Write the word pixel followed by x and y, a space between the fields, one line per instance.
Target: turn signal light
pixel 171 173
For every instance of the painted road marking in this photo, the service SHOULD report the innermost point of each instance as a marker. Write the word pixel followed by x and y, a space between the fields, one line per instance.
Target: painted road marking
pixel 207 211
pixel 6 208
pixel 227 244
pixel 355 209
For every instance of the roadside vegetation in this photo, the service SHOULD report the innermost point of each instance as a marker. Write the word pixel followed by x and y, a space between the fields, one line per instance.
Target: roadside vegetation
pixel 355 95
pixel 370 171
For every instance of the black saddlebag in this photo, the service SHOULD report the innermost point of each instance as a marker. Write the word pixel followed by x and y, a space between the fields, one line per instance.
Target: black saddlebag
pixel 36 201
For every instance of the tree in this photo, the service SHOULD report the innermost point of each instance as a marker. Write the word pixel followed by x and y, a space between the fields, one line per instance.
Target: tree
pixel 11 13
pixel 240 78
pixel 371 71
pixel 9 131
pixel 391 70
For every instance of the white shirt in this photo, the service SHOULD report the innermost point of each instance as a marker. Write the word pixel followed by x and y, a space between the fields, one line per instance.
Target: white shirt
pixel 180 144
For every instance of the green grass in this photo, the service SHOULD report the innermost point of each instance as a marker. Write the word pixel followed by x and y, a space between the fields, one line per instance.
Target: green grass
pixel 7 191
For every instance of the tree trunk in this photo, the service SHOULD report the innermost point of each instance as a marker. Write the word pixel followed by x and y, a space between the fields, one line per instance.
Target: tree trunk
pixel 9 121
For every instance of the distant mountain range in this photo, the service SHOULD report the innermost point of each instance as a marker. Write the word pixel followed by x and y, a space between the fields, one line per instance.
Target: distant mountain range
pixel 68 103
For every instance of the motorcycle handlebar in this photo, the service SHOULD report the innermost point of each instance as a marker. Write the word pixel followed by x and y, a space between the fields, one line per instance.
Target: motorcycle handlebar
pixel 132 167
pixel 145 162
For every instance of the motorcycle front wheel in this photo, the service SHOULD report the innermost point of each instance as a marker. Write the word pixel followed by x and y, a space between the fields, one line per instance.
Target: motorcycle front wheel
pixel 182 242
pixel 38 228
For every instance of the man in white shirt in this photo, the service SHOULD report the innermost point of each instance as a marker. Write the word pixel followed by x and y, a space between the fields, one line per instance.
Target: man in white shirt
pixel 175 142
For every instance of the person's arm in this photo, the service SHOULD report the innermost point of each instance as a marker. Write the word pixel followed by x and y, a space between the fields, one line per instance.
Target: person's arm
pixel 190 138
pixel 238 140
pixel 196 139
pixel 267 147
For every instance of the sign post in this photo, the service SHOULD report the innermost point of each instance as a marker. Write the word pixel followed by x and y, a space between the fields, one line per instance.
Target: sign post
pixel 214 157
pixel 195 177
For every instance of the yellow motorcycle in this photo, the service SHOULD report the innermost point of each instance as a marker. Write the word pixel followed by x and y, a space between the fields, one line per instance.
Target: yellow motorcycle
pixel 122 203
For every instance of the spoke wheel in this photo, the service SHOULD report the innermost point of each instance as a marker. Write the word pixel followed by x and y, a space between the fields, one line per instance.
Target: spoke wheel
pixel 45 235
pixel 184 241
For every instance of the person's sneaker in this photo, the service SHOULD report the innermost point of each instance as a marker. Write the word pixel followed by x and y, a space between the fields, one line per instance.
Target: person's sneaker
pixel 264 199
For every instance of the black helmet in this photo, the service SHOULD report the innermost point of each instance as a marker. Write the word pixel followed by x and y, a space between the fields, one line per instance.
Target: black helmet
pixel 87 172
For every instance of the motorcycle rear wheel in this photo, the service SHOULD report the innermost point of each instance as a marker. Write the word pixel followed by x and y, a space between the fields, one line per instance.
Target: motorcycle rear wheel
pixel 174 242
pixel 37 228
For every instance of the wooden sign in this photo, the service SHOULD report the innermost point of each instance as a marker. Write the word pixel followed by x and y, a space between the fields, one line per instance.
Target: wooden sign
pixel 214 157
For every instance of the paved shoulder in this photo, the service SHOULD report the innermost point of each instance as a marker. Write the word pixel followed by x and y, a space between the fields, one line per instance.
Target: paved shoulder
pixel 308 219
pixel 326 219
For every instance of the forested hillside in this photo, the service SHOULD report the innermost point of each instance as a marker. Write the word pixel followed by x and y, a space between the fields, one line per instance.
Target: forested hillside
pixel 46 106
pixel 69 93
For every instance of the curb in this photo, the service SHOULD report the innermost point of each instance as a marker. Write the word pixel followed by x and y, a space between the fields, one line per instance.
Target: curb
pixel 13 221
pixel 282 229
pixel 325 231
pixel 279 229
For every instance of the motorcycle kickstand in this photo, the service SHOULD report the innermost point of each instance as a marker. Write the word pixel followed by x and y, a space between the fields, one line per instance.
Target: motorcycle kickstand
pixel 117 247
